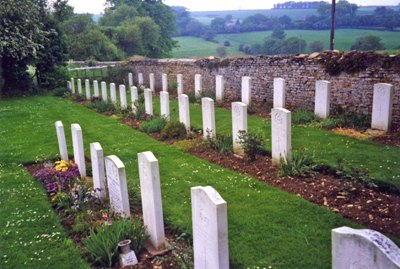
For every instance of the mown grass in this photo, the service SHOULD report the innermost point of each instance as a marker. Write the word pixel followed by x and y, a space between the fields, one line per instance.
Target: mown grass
pixel 267 227
pixel 344 38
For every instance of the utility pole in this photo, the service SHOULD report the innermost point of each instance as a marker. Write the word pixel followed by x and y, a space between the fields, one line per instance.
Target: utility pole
pixel 332 39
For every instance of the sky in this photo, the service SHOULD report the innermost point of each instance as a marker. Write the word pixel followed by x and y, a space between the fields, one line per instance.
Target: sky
pixel 97 6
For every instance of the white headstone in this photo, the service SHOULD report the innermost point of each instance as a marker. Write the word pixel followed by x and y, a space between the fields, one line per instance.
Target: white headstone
pixel 69 86
pixel 122 96
pixel 113 93
pixel 164 82
pixel 148 101
pixel 104 91
pixel 164 102
pixel 151 82
pixel 79 86
pixel 73 85
pixel 184 111
pixel 179 80
pixel 239 123
pixel 363 249
pixel 281 124
pixel 219 88
pixel 87 88
pixel 134 97
pixel 62 144
pixel 151 198
pixel 246 90
pixel 117 187
pixel 96 88
pixel 99 177
pixel 279 92
pixel 382 106
pixel 208 112
pixel 79 152
pixel 322 98
pixel 197 85
pixel 130 79
pixel 140 79
pixel 210 229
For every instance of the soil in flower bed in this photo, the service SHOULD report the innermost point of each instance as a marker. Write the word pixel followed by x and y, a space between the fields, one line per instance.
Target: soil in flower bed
pixel 391 138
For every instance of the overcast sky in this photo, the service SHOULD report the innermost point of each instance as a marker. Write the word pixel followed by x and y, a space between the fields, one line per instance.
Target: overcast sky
pixel 97 6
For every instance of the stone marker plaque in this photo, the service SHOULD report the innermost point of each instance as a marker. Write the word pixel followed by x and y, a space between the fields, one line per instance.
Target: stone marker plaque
pixel 152 82
pixel 281 124
pixel 62 144
pixel 134 98
pixel 219 88
pixel 179 80
pixel 122 96
pixel 79 152
pixel 239 123
pixel 164 103
pixel 184 112
pixel 208 113
pixel 104 91
pixel 322 98
pixel 87 88
pixel 198 87
pixel 164 79
pixel 382 106
pixel 148 101
pixel 113 93
pixel 96 88
pixel 279 93
pixel 99 177
pixel 246 90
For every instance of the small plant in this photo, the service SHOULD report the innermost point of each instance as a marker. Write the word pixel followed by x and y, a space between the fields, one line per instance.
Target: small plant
pixel 154 125
pixel 60 92
pixel 101 106
pixel 187 144
pixel 102 243
pixel 221 143
pixel 140 111
pixel 354 174
pixel 299 165
pixel 251 109
pixel 209 94
pixel 192 97
pixel 173 86
pixel 182 254
pixel 173 130
pixel 252 144
pixel 304 117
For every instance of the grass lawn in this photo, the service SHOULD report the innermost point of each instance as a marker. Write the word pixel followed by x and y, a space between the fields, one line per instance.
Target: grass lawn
pixel 344 38
pixel 267 227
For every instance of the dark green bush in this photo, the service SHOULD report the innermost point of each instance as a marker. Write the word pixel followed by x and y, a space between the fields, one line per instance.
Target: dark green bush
pixel 154 125
pixel 303 117
pixel 299 165
pixel 192 97
pixel 252 144
pixel 209 94
pixel 101 106
pixel 173 86
pixel 222 143
pixel 140 111
pixel 173 130
pixel 60 92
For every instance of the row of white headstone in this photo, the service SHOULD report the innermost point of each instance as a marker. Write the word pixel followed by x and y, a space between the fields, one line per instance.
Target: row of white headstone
pixel 381 108
pixel 209 210
pixel 350 247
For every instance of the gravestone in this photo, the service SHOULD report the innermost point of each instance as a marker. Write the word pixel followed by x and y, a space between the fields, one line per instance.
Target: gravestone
pixel 382 106
pixel 363 249
pixel 219 88
pixel 73 85
pixel 208 112
pixel 140 79
pixel 164 82
pixel 122 96
pixel 104 91
pixel 96 88
pixel 322 98
pixel 184 112
pixel 210 229
pixel 246 90
pixel 239 123
pixel 69 86
pixel 113 93
pixel 151 82
pixel 79 86
pixel 87 88
pixel 151 198
pixel 130 79
pixel 198 85
pixel 164 102
pixel 117 187
pixel 279 92
pixel 62 144
pixel 99 177
pixel 134 98
pixel 148 101
pixel 179 80
pixel 281 124
pixel 79 152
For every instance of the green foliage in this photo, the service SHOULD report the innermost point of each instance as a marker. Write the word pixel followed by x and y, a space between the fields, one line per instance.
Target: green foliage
pixel 173 130
pixel 361 175
pixel 187 144
pixel 221 51
pixel 102 243
pixel 101 106
pixel 299 165
pixel 172 86
pixel 117 74
pixel 252 144
pixel 155 125
pixel 140 111
pixel 278 33
pixel 222 143
pixel 209 94
pixel 60 92
pixel 303 117
pixel 192 97
pixel 369 42
pixel 316 46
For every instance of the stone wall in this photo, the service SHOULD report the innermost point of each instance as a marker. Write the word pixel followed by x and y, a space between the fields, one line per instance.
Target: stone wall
pixel 352 89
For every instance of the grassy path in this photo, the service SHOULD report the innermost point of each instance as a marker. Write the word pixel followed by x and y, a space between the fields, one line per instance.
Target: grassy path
pixel 267 227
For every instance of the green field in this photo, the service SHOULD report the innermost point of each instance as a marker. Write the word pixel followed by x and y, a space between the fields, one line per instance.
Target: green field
pixel 197 47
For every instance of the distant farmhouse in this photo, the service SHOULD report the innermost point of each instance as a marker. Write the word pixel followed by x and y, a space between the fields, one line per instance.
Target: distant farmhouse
pixel 297 5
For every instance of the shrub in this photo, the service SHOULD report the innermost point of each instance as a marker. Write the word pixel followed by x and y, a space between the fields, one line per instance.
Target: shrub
pixel 299 165
pixel 59 92
pixel 102 243
pixel 227 43
pixel 209 94
pixel 173 130
pixel 173 86
pixel 140 112
pixel 252 144
pixel 221 51
pixel 303 117
pixel 154 125
pixel 316 46
pixel 101 106
pixel 222 144
pixel 192 97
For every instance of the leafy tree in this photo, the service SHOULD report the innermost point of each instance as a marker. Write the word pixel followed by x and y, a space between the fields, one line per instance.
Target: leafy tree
pixel 278 33
pixel 209 35
pixel 369 42
pixel 316 46
pixel 62 11
pixel 121 14
pixel 294 45
pixel 218 25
